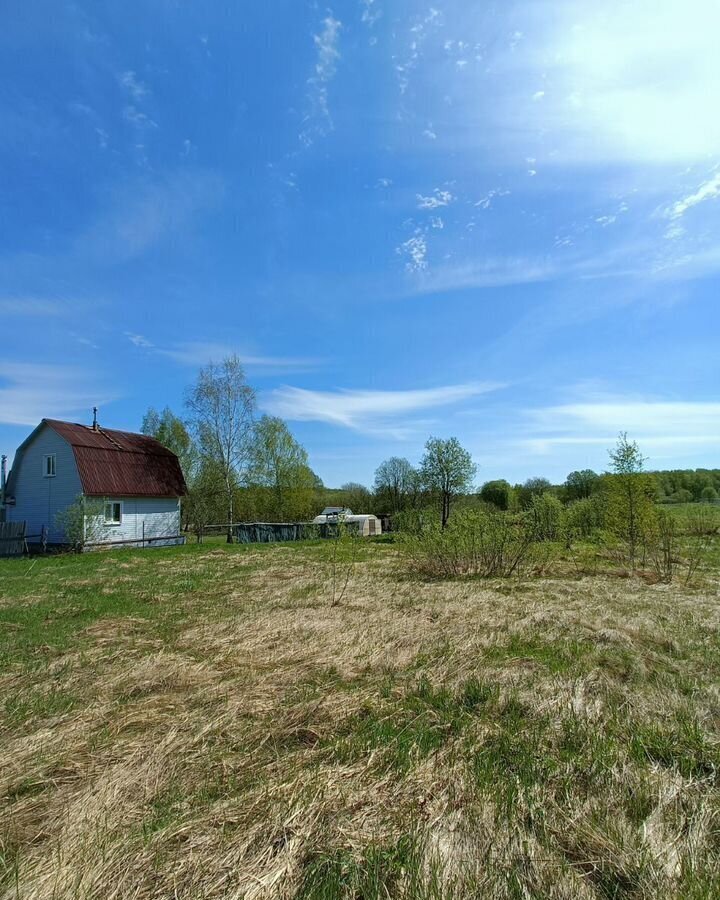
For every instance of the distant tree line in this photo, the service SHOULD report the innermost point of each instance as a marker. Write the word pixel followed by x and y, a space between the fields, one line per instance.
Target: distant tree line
pixel 241 466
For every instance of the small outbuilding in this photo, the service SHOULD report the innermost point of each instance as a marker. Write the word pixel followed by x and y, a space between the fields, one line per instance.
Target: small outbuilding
pixel 367 525
pixel 136 483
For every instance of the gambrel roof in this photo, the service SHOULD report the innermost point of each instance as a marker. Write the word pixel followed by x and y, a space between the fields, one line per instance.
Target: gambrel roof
pixel 119 463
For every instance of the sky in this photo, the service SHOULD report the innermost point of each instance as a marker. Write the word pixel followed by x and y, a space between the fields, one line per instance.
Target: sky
pixel 498 221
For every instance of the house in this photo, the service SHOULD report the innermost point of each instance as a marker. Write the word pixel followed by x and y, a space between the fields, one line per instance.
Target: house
pixel 136 483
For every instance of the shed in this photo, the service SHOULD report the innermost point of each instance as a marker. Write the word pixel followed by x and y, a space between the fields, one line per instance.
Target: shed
pixel 367 525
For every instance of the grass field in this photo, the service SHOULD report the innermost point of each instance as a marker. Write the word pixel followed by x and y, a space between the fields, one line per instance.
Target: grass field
pixel 200 722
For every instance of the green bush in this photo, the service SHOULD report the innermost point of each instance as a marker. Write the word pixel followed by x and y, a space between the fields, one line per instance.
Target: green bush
pixel 584 518
pixel 547 517
pixel 475 542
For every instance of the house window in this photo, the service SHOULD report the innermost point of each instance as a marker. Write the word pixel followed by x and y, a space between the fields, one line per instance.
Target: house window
pixel 49 466
pixel 113 512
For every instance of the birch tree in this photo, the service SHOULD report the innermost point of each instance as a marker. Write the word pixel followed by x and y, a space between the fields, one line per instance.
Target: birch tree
pixel 447 470
pixel 221 405
pixel 279 467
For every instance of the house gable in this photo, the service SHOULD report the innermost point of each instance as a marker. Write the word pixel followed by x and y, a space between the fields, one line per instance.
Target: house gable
pixel 39 497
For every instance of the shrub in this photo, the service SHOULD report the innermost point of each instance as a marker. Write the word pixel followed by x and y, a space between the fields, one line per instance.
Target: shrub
pixel 585 517
pixel 682 496
pixel 498 493
pixel 487 544
pixel 414 521
pixel 547 517
pixel 81 522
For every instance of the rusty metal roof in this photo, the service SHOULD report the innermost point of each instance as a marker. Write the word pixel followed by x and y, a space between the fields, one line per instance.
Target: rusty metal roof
pixel 120 463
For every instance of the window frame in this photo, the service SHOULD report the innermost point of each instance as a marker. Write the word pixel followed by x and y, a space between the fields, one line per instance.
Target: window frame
pixel 47 457
pixel 111 522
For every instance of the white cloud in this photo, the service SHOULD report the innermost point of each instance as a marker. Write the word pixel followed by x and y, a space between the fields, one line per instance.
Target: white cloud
pixel 371 12
pixel 486 201
pixel 29 306
pixel 35 391
pixel 656 424
pixel 438 198
pixel 706 191
pixel 319 121
pixel 485 273
pixel 138 118
pixel 415 252
pixel 372 412
pixel 133 85
pixel 418 36
pixel 138 340
pixel 328 53
pixel 200 353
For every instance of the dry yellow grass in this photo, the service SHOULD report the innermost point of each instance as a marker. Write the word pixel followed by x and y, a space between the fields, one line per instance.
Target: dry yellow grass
pixel 213 728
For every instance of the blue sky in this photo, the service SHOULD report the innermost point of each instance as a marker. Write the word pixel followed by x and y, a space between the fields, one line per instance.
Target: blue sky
pixel 498 220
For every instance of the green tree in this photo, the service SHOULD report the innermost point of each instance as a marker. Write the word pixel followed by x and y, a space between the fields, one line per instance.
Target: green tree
pixel 580 485
pixel 499 493
pixel 447 470
pixel 395 485
pixel 222 410
pixel 278 467
pixel 172 433
pixel 533 487
pixel 630 508
pixel 356 497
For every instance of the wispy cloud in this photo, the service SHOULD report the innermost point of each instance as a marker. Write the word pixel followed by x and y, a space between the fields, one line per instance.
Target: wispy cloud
pixel 417 37
pixel 32 391
pixel 414 250
pixel 138 118
pixel 656 424
pixel 370 12
pixel 142 212
pixel 438 198
pixel 319 121
pixel 487 273
pixel 370 412
pixel 139 340
pixel 30 306
pixel 200 353
pixel 132 84
pixel 708 190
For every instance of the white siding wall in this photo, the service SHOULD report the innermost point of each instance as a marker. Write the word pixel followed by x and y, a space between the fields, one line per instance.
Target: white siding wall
pixel 160 515
pixel 39 499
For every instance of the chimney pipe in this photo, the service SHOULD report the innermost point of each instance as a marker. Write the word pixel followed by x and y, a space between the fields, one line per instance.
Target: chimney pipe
pixel 95 421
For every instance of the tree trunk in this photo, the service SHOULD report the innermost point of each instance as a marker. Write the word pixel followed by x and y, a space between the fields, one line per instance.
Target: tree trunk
pixel 230 511
pixel 445 509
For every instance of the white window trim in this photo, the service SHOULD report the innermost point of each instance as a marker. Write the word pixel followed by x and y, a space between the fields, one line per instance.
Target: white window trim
pixel 47 474
pixel 106 521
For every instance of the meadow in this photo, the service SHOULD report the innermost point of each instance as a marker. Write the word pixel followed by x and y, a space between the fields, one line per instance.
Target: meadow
pixel 202 722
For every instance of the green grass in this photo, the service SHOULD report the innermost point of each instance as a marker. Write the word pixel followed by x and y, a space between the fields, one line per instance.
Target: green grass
pixel 201 721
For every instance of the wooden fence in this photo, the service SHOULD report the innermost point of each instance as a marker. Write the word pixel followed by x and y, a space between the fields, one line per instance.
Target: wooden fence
pixel 12 538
